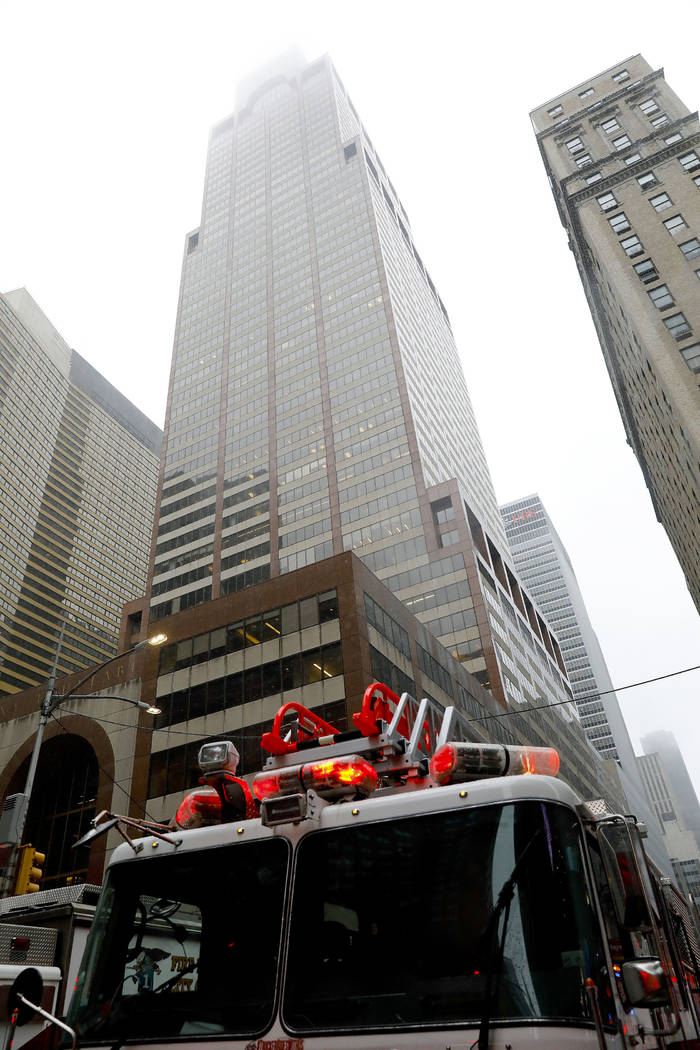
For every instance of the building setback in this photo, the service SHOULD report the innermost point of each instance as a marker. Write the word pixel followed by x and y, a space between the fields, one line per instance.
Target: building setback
pixel 622 154
pixel 663 743
pixel 78 478
pixel 317 403
pixel 680 842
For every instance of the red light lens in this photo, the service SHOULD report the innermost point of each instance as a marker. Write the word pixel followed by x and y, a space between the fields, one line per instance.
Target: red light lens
pixel 280 782
pixel 442 763
pixel 199 809
pixel 340 776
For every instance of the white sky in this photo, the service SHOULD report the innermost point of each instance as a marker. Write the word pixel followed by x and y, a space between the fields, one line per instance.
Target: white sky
pixel 106 109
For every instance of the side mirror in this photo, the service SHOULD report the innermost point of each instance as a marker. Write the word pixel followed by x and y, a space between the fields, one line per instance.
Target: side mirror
pixel 624 878
pixel 25 995
pixel 645 982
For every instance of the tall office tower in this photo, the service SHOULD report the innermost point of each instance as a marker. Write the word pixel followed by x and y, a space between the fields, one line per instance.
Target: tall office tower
pixel 78 477
pixel 663 743
pixel 545 568
pixel 622 154
pixel 317 403
pixel 680 842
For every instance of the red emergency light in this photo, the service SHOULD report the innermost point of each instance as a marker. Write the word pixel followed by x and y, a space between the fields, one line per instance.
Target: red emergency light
pixel 330 778
pixel 457 762
pixel 199 809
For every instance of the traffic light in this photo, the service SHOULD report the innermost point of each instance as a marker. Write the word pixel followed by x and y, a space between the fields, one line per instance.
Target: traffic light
pixel 29 870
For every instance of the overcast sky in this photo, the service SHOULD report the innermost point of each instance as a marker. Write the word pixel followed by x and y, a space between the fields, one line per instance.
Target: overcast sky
pixel 106 109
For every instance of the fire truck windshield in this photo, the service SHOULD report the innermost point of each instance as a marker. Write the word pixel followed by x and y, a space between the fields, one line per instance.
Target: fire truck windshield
pixel 435 920
pixel 185 945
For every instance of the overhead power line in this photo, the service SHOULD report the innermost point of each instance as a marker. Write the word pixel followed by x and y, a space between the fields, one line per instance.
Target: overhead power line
pixel 588 696
pixel 478 718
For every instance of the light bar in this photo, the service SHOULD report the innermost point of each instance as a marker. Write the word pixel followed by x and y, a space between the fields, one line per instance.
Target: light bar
pixel 455 763
pixel 199 809
pixel 332 778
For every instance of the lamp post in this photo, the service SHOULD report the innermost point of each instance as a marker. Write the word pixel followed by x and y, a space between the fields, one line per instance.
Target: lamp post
pixel 51 701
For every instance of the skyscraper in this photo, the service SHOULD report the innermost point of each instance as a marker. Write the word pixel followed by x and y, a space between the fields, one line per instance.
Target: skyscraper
pixel 664 743
pixel 78 475
pixel 317 403
pixel 545 568
pixel 622 154
pixel 680 842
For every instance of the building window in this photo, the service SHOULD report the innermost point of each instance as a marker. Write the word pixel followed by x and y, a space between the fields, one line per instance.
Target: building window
pixel 621 142
pixel 633 246
pixel 595 177
pixel 587 93
pixel 583 160
pixel 646 271
pixel 676 137
pixel 691 248
pixel 192 242
pixel 649 106
pixel 633 158
pixel 647 180
pixel 607 201
pixel 620 76
pixel 661 297
pixel 609 126
pixel 555 111
pixel 574 146
pixel 691 356
pixel 350 150
pixel 675 224
pixel 660 202
pixel 678 326
pixel 690 161
pixel 659 121
pixel 619 222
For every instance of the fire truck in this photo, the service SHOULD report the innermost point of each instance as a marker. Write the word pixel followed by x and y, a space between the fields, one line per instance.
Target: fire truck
pixel 396 885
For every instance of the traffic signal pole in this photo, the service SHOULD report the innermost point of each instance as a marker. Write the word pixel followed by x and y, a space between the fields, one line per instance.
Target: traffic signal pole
pixel 45 713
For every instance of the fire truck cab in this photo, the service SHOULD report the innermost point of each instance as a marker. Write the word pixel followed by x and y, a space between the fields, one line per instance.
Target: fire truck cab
pixel 401 886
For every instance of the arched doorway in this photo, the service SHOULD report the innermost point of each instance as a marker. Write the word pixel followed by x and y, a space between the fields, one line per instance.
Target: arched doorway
pixel 62 806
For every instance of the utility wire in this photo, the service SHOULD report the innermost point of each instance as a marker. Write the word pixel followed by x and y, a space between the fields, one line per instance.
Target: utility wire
pixel 478 718
pixel 131 798
pixel 588 696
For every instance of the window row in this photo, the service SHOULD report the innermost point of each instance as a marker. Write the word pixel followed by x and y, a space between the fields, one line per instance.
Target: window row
pixel 254 683
pixel 264 627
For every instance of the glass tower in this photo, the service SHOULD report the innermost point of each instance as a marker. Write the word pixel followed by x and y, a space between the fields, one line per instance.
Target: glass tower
pixel 317 403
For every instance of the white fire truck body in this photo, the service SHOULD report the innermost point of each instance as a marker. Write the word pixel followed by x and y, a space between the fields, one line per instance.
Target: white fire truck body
pixel 377 903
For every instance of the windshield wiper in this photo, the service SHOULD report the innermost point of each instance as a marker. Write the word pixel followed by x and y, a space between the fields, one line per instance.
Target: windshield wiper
pixel 490 936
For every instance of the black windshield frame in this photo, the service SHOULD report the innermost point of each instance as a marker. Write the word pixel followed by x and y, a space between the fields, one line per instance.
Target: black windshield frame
pixel 404 931
pixel 186 947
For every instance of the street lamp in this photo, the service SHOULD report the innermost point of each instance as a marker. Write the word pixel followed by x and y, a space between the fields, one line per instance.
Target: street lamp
pixel 51 701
